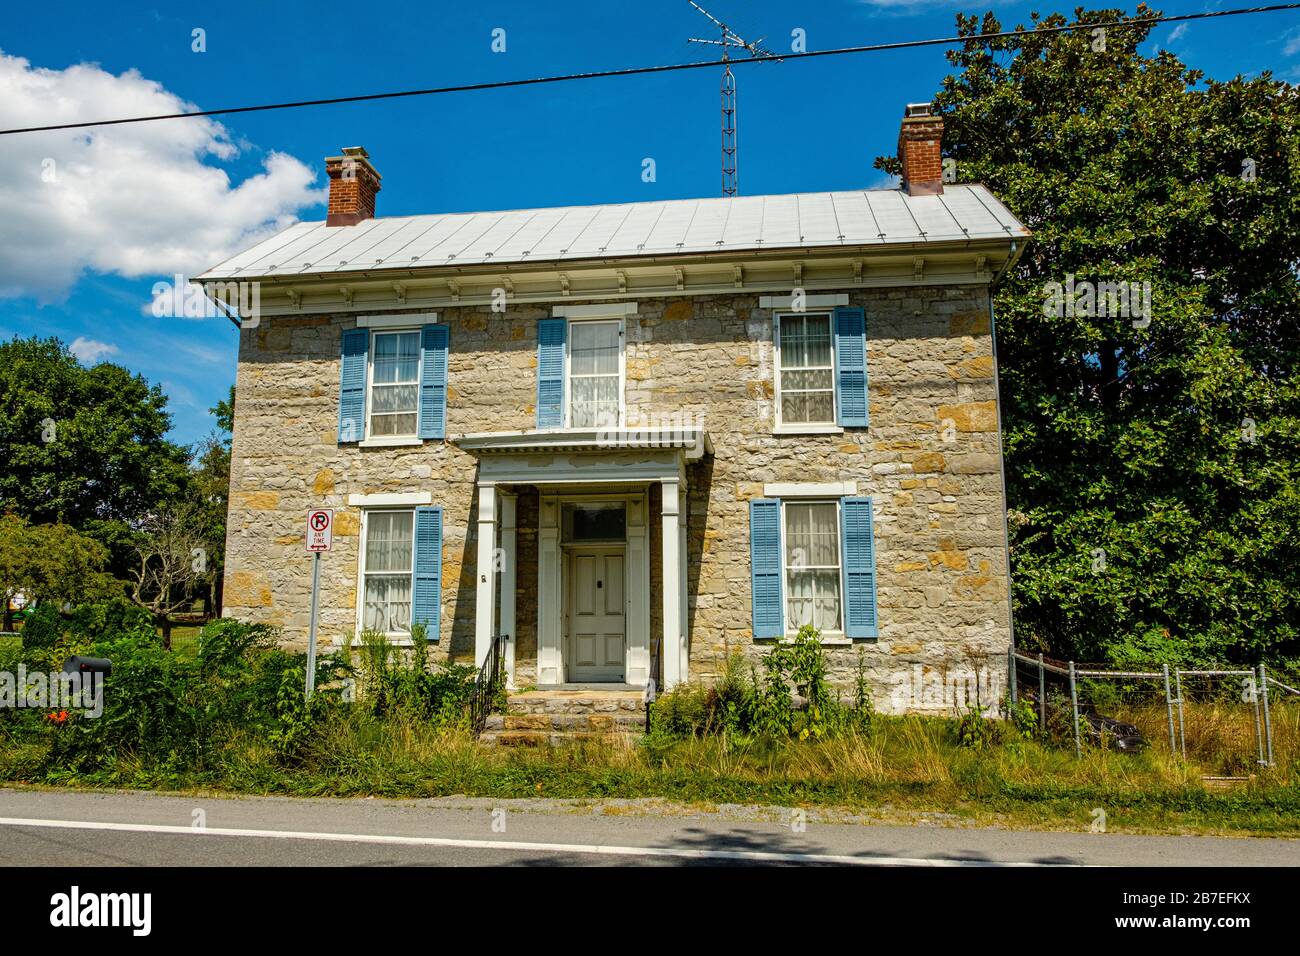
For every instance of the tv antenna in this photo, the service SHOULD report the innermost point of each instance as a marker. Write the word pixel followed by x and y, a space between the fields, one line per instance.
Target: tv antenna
pixel 729 39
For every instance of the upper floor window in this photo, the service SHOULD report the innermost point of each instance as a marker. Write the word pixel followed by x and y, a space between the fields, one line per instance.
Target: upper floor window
pixel 805 381
pixel 394 384
pixel 595 374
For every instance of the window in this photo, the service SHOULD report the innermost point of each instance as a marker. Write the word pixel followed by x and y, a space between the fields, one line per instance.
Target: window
pixel 812 565
pixel 595 374
pixel 394 384
pixel 594 522
pixel 806 369
pixel 386 571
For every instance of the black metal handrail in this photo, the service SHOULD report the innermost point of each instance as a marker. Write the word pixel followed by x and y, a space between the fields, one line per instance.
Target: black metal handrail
pixel 652 686
pixel 486 685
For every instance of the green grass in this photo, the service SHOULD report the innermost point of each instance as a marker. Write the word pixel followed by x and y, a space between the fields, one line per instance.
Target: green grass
pixel 898 770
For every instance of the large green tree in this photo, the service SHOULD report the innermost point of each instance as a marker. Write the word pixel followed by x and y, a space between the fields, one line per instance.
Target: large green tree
pixel 85 446
pixel 51 563
pixel 1153 467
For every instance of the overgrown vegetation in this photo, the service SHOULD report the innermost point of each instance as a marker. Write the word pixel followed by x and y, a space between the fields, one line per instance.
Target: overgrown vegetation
pixel 232 716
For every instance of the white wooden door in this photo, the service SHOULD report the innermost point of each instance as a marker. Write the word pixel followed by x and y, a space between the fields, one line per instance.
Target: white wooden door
pixel 597 632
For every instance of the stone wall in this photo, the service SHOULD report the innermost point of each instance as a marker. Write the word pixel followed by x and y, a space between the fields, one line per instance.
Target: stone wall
pixel 929 460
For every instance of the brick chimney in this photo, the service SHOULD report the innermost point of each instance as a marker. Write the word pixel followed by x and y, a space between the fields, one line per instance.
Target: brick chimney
pixel 920 141
pixel 353 185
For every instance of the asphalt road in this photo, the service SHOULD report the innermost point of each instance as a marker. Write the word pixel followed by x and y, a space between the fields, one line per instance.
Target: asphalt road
pixel 58 828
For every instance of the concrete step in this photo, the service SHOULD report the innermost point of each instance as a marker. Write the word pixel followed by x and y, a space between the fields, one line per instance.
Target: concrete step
pixel 546 738
pixel 577 702
pixel 620 722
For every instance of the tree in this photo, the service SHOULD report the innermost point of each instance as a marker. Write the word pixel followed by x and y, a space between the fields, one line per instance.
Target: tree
pixel 1153 468
pixel 211 483
pixel 83 446
pixel 50 564
pixel 171 562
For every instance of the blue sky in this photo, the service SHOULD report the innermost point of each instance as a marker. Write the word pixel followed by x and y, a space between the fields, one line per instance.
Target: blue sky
pixel 80 251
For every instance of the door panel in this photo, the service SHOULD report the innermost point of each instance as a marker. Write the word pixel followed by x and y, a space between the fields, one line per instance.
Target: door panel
pixel 598 642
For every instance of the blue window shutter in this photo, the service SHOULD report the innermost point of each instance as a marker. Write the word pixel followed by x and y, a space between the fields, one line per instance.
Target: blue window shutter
pixel 426 595
pixel 352 386
pixel 433 381
pixel 859 550
pixel 851 366
pixel 765 566
pixel 551 335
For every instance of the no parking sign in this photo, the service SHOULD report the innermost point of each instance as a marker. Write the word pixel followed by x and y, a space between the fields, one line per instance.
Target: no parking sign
pixel 320 530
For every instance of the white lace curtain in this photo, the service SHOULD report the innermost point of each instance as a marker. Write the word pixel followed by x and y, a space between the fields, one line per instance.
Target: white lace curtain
pixel 388 571
pixel 812 561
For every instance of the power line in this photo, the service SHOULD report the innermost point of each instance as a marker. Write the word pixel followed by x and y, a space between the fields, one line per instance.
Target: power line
pixel 666 68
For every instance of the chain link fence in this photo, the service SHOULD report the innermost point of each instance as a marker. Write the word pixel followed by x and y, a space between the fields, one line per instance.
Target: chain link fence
pixel 1229 721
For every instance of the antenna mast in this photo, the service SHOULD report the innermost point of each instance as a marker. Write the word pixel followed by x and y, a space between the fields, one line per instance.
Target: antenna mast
pixel 728 40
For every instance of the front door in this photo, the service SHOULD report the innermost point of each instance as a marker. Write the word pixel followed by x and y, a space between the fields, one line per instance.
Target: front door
pixel 597 636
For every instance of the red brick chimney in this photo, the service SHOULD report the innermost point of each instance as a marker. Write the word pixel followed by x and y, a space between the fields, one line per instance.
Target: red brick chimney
pixel 920 141
pixel 353 185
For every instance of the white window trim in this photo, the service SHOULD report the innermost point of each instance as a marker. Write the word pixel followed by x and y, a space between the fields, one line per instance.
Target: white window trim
pixel 599 310
pixel 396 638
pixel 385 441
pixel 809 489
pixel 809 429
pixel 814 302
pixel 830 638
pixel 391 500
pixel 396 322
pixel 622 366
pixel 803 428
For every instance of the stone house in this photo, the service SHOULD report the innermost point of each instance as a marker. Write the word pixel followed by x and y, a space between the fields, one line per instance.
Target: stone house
pixel 632 439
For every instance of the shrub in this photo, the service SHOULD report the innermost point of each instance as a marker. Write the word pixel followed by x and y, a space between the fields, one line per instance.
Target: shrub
pixel 400 681
pixel 743 702
pixel 111 620
pixel 42 627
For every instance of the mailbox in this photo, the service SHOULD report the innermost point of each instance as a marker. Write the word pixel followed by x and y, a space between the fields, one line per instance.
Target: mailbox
pixel 88 665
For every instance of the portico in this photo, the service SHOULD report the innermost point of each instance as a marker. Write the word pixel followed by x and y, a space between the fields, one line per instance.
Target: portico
pixel 594 556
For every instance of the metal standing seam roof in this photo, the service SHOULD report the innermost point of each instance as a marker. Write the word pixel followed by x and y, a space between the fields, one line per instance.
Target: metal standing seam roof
pixel 881 217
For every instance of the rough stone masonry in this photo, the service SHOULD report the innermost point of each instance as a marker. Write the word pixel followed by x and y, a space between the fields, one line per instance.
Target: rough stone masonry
pixel 929 459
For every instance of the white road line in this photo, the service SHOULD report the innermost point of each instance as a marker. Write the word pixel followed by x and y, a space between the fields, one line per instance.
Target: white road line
pixel 689 853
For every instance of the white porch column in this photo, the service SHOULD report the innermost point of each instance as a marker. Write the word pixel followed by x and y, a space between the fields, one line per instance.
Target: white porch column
pixel 638 591
pixel 550 659
pixel 508 581
pixel 485 568
pixel 683 588
pixel 673 548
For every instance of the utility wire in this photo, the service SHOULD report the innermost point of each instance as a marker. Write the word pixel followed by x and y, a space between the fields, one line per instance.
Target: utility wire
pixel 666 68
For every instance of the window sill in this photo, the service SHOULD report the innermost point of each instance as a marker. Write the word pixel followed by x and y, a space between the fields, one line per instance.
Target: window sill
pixel 829 639
pixel 394 640
pixel 808 430
pixel 390 442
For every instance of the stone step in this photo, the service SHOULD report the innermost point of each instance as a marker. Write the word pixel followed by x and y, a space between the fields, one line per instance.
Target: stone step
pixel 576 702
pixel 545 738
pixel 620 722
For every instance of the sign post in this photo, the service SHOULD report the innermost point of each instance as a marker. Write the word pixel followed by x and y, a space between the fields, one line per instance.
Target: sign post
pixel 320 538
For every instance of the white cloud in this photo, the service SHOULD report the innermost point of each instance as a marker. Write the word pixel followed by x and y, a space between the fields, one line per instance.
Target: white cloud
pixel 1292 38
pixel 134 200
pixel 910 6
pixel 90 351
pixel 1178 33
